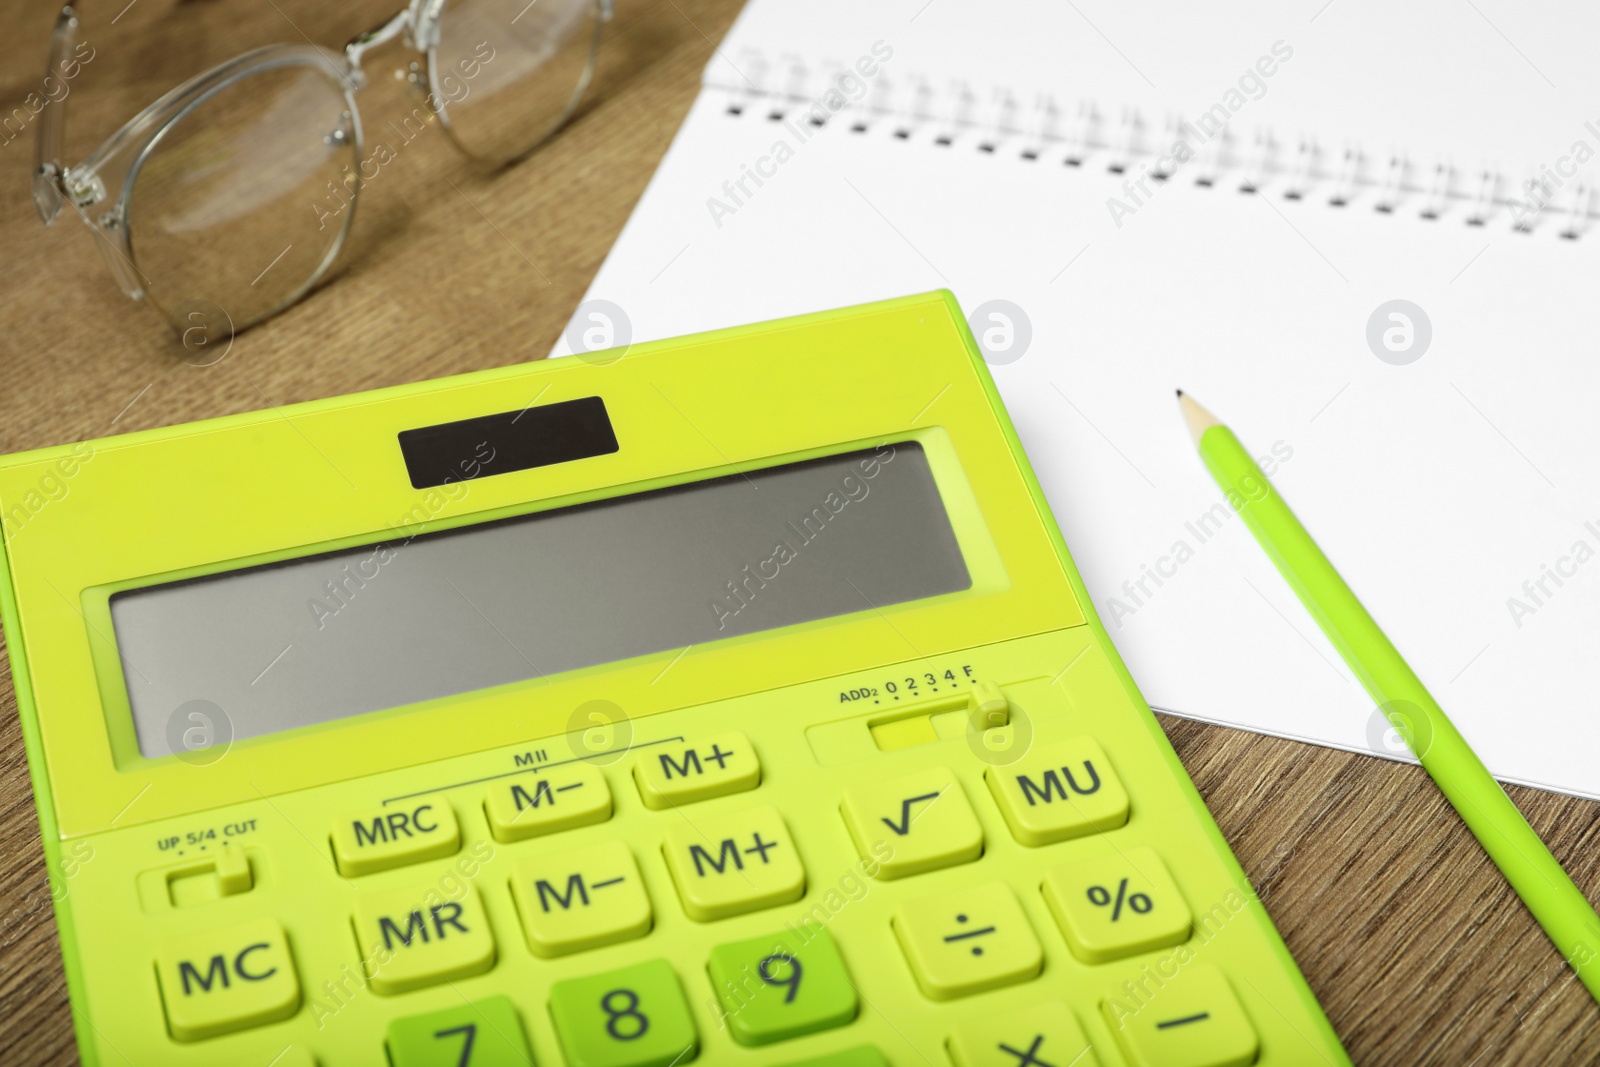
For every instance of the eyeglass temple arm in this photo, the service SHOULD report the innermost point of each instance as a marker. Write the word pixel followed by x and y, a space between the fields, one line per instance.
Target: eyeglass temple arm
pixel 49 176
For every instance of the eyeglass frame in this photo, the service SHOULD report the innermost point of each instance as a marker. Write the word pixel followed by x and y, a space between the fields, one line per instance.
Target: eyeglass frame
pixel 56 186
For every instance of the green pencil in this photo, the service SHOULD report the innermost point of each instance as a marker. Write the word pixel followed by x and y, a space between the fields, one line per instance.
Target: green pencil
pixel 1494 820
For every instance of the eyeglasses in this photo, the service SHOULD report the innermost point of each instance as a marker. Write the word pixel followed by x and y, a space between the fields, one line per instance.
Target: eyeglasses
pixel 227 199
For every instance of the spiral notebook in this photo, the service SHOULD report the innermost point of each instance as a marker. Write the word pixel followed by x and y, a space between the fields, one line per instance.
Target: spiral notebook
pixel 1376 260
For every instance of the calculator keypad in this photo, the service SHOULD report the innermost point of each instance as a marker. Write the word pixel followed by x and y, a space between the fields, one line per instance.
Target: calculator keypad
pixel 415 936
pixel 734 863
pixel 1064 791
pixel 676 772
pixel 631 1017
pixel 581 899
pixel 916 823
pixel 217 981
pixel 387 836
pixel 967 942
pixel 1039 1034
pixel 955 940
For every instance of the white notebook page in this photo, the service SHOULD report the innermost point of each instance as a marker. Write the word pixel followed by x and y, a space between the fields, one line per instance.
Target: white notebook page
pixel 1447 490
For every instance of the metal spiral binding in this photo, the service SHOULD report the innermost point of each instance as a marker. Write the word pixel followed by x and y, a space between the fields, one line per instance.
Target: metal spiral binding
pixel 1124 142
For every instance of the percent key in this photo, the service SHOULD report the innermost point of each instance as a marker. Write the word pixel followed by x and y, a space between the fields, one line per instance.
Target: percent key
pixel 1100 897
pixel 1117 906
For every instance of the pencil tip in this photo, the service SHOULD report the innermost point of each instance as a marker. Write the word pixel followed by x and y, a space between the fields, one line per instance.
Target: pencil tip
pixel 1179 392
pixel 1198 418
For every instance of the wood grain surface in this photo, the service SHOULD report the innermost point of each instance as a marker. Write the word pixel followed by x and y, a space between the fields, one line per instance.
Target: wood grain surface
pixel 1415 946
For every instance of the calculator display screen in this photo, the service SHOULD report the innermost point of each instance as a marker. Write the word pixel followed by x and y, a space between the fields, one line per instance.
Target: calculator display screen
pixel 325 637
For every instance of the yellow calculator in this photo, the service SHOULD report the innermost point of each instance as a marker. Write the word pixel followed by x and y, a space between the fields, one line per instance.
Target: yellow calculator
pixel 727 700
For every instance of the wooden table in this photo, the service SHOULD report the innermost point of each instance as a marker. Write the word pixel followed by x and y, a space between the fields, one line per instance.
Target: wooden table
pixel 1417 949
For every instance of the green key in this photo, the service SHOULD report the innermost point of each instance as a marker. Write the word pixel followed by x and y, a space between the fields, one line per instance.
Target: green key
pixel 860 1056
pixel 783 985
pixel 485 1033
pixel 631 1017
